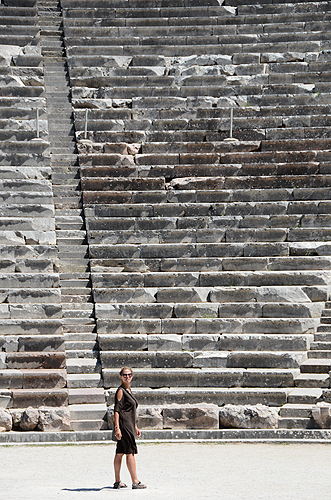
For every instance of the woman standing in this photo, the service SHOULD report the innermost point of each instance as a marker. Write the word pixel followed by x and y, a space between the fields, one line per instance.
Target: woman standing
pixel 126 430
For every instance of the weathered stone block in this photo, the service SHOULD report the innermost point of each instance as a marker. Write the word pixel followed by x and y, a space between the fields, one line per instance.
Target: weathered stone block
pixel 164 342
pixel 6 421
pixel 33 360
pixel 149 417
pixel 321 414
pixel 11 379
pixel 248 417
pixel 196 310
pixel 171 359
pixel 209 359
pixel 200 342
pixel 29 419
pixel 124 342
pixel 265 359
pixel 178 326
pixel 129 326
pixel 53 419
pixel 39 397
pixel 189 416
pixel 219 377
pixel 3 358
pixel 6 398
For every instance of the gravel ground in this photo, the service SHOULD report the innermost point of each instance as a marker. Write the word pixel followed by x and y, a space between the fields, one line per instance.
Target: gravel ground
pixel 179 471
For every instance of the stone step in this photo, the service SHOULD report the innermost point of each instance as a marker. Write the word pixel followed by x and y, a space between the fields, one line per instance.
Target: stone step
pixel 209 325
pixel 88 425
pixel 300 410
pixel 83 329
pixel 319 354
pixel 32 379
pixel 99 227
pixel 82 354
pixel 295 423
pixel 37 343
pixel 87 411
pixel 167 309
pixel 151 204
pixel 312 380
pixel 77 314
pixel 202 359
pixel 76 298
pixel 83 380
pixel 212 377
pixel 208 235
pixel 80 336
pixel 22 398
pixel 213 263
pixel 82 366
pixel 219 396
pixel 207 342
pixel 74 265
pixel 89 396
pixel 205 279
pixel 35 360
pixel 77 307
pixel 313 365
pixel 322 337
pixel 304 395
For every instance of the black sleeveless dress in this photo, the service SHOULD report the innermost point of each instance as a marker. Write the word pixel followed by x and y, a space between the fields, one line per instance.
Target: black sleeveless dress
pixel 126 408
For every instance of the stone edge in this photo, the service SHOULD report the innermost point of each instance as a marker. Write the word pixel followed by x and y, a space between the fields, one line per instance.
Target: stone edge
pixel 217 435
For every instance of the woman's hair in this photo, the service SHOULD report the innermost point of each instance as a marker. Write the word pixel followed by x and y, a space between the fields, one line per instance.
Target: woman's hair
pixel 126 368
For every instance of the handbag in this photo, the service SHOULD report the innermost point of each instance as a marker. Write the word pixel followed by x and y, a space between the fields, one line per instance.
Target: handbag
pixel 113 435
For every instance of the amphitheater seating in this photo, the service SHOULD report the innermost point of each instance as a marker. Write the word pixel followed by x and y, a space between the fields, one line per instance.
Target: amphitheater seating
pixel 210 254
pixel 32 357
pixel 204 160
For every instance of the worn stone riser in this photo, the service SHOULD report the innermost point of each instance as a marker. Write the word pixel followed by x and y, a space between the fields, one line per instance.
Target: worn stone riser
pixel 173 50
pixel 207 183
pixel 251 255
pixel 206 359
pixel 158 309
pixel 22 398
pixel 248 158
pixel 249 22
pixel 143 203
pixel 149 244
pixel 203 264
pixel 230 378
pixel 207 279
pixel 128 38
pixel 231 300
pixel 236 228
pixel 206 342
pixel 209 326
pixel 33 379
pixel 270 397
pixel 234 214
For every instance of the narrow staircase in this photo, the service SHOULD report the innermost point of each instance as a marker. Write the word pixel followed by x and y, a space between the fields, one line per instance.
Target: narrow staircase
pixel 86 395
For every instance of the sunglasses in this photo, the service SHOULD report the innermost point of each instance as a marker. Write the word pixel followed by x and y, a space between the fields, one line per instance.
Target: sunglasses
pixel 127 375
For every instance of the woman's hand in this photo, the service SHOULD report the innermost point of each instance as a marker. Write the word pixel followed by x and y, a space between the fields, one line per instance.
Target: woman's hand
pixel 138 433
pixel 118 434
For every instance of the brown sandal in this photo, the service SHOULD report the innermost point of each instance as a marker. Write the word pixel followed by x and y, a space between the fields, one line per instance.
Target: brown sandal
pixel 138 486
pixel 119 485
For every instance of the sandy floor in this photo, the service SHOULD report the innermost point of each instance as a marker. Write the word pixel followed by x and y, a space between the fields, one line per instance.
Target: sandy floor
pixel 178 471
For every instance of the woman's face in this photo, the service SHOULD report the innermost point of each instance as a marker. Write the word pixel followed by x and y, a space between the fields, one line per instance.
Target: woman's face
pixel 126 376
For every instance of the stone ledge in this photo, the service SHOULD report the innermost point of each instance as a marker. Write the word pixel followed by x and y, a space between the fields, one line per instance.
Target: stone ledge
pixel 239 435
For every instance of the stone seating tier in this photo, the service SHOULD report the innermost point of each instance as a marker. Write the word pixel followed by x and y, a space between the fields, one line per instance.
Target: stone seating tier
pixel 208 257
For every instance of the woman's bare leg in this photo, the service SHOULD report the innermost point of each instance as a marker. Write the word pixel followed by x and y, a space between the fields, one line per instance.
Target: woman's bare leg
pixel 131 465
pixel 117 466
